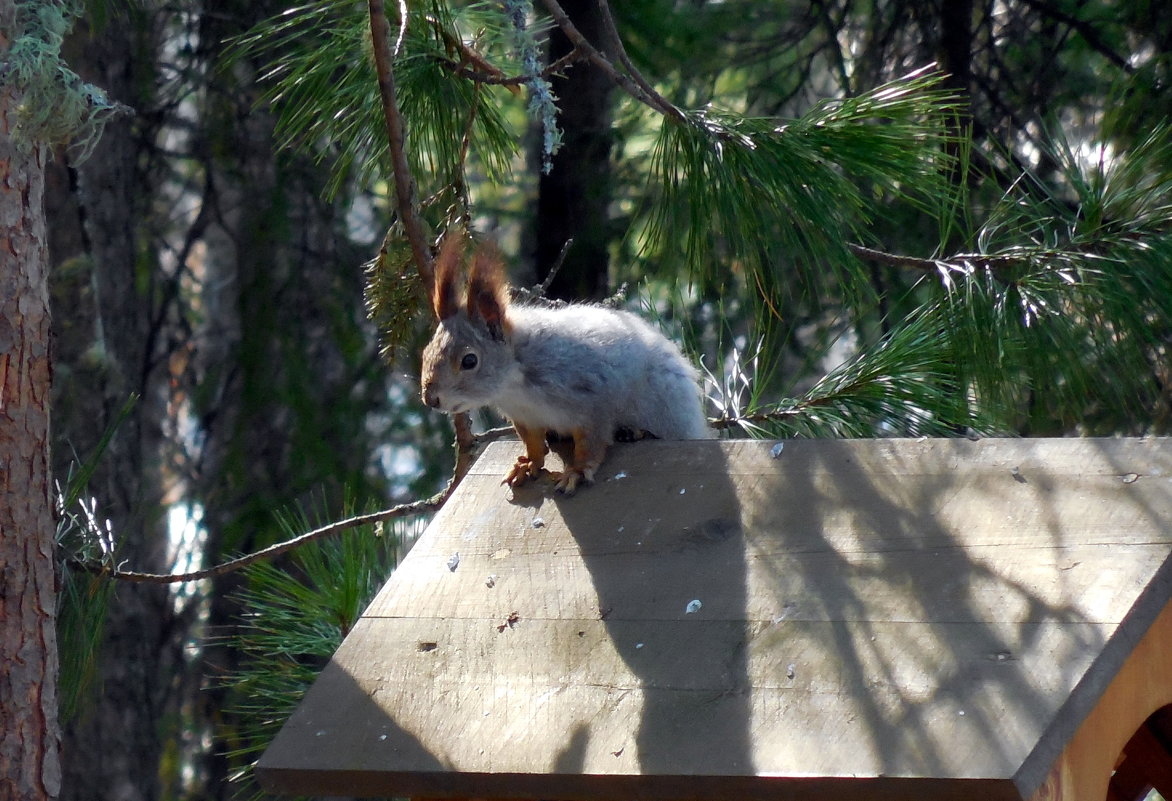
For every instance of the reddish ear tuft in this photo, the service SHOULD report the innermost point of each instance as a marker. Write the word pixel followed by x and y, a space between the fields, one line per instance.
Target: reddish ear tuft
pixel 445 299
pixel 488 297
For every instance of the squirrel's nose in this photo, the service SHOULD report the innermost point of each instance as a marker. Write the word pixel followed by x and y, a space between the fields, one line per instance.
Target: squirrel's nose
pixel 431 398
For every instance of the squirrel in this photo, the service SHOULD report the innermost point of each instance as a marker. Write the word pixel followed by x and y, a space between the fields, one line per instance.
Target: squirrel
pixel 578 370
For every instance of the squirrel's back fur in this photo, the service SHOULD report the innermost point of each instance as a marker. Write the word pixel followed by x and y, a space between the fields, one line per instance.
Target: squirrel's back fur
pixel 609 368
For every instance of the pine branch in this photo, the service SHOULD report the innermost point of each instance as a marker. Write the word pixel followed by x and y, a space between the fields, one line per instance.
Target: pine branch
pixel 967 262
pixel 776 414
pixel 405 201
pixel 380 30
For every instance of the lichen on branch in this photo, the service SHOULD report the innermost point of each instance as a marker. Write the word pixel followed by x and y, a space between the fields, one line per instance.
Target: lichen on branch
pixel 55 106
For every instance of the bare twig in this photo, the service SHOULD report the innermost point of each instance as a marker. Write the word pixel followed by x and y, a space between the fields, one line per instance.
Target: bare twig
pixel 536 294
pixel 468 446
pixel 618 298
pixel 413 228
pixel 773 415
pixel 959 262
pixel 380 32
pixel 555 267
pixel 497 78
pixel 894 259
pixel 616 43
pixel 232 565
pixel 599 59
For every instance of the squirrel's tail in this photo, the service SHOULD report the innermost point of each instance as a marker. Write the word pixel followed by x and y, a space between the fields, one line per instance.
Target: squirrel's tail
pixel 679 410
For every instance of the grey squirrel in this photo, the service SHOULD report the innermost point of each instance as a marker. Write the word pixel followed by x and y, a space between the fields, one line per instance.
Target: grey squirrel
pixel 580 370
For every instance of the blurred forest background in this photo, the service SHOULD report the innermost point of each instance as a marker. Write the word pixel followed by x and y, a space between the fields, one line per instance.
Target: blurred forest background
pixel 853 243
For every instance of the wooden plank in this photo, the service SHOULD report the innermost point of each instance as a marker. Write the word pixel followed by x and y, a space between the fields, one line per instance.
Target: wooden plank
pixel 683 699
pixel 905 611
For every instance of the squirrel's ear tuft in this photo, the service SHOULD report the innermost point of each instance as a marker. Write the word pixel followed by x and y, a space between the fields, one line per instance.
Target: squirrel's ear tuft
pixel 445 298
pixel 488 297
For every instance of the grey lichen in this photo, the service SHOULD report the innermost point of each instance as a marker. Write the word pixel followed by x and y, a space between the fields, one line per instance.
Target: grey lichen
pixel 53 104
pixel 542 101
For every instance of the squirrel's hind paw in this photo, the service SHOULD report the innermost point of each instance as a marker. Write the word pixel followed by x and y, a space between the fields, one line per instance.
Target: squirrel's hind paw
pixel 569 481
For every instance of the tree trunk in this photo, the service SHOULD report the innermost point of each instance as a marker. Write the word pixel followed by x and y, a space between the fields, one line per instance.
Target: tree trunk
pixel 30 737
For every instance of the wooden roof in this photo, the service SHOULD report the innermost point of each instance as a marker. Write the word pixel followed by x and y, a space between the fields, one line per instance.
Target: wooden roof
pixel 813 619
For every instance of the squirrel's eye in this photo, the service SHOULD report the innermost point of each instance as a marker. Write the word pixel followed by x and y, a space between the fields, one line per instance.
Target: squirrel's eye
pixel 469 362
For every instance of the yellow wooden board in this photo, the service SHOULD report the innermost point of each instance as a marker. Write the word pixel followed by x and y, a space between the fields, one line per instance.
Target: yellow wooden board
pixel 824 619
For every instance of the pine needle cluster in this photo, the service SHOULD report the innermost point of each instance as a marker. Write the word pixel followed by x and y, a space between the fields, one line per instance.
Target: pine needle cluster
pixel 294 617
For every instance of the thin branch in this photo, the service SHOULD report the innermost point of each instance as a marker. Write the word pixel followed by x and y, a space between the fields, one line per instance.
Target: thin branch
pixel 964 262
pixel 894 259
pixel 466 442
pixel 273 551
pixel 1086 30
pixel 771 416
pixel 618 299
pixel 408 212
pixel 380 31
pixel 624 82
pixel 510 82
pixel 468 447
pixel 556 267
pixel 616 42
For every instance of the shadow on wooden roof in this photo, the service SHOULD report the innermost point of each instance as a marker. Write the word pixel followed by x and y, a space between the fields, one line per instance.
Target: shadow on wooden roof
pixel 829 619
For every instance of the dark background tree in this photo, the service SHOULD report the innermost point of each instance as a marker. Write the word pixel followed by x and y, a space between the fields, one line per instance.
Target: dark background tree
pixel 104 340
pixel 574 197
pixel 203 274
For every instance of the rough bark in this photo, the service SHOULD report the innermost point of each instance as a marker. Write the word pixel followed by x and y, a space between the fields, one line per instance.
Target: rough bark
pixel 29 732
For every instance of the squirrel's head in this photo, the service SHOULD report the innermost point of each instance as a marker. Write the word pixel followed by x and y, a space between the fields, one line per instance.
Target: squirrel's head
pixel 467 360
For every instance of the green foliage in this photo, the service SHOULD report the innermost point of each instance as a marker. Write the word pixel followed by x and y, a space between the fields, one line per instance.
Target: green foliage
pixel 320 71
pixel 1059 318
pixel 1033 327
pixel 985 341
pixel 771 197
pixel 1039 301
pixel 1064 316
pixel 905 384
pixel 83 601
pixel 294 617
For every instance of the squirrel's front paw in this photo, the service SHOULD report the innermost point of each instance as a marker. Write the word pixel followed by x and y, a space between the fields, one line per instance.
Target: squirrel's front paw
pixel 522 471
